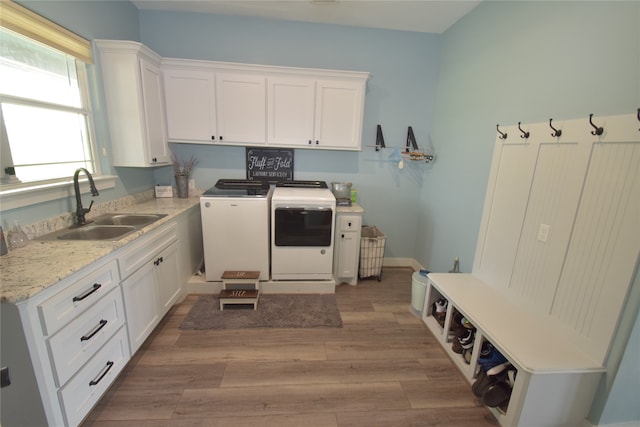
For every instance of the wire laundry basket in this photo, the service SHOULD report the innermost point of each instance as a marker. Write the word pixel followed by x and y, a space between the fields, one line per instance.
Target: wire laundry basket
pixel 372 243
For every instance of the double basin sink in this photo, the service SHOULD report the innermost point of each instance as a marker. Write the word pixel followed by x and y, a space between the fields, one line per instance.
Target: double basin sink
pixel 106 227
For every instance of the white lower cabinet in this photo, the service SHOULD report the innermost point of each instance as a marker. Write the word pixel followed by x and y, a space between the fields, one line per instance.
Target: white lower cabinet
pixel 347 244
pixel 151 282
pixel 141 296
pixel 167 271
pixel 75 344
pixel 89 384
pixel 66 345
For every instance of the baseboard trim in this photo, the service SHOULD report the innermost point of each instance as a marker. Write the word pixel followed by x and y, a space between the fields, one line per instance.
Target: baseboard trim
pixel 197 284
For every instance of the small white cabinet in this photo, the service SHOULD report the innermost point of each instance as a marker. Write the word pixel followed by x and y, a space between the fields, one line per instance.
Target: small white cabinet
pixel 151 282
pixel 134 96
pixel 347 244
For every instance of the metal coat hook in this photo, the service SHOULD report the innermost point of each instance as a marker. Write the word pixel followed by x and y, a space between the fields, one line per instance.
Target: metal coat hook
pixel 379 139
pixel 411 140
pixel 525 135
pixel 598 130
pixel 502 134
pixel 556 132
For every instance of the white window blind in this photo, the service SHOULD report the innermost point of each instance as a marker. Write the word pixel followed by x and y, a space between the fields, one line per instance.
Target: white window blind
pixel 23 21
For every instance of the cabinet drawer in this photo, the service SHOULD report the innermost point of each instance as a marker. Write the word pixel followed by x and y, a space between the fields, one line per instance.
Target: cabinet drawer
pixel 142 252
pixel 350 223
pixel 77 342
pixel 63 307
pixel 83 391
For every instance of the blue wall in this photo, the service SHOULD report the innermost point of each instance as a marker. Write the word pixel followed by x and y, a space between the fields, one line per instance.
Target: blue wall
pixel 507 62
pixel 400 94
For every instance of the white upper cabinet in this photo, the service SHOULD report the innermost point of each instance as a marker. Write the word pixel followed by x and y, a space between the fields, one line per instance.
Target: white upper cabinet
pixel 339 110
pixel 313 113
pixel 190 97
pixel 291 111
pixel 135 103
pixel 243 104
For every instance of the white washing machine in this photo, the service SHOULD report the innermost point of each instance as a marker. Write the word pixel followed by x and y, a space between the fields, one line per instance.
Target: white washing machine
pixel 235 227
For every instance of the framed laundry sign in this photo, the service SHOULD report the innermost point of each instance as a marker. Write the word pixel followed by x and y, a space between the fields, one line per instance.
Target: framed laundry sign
pixel 270 164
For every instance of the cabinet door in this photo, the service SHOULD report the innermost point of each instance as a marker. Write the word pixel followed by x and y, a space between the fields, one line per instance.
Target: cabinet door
pixel 167 272
pixel 156 131
pixel 190 104
pixel 339 108
pixel 134 102
pixel 242 109
pixel 348 245
pixel 290 111
pixel 141 305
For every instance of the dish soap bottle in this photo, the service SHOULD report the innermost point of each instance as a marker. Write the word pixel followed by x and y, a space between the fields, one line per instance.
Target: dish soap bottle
pixel 16 237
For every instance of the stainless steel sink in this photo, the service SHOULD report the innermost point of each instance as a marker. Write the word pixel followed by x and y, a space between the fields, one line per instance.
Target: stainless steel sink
pixel 138 220
pixel 105 227
pixel 96 232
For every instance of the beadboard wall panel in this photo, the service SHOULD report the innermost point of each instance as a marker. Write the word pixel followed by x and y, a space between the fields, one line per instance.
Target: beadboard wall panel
pixel 584 189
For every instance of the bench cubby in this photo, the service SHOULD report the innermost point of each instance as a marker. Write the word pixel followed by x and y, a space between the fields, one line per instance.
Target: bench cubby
pixel 555 382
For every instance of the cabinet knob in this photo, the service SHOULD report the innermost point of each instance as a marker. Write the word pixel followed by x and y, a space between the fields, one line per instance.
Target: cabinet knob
pixel 349 224
pixel 310 142
pixel 317 142
pixel 220 138
pixel 342 236
pixel 213 137
pixel 154 160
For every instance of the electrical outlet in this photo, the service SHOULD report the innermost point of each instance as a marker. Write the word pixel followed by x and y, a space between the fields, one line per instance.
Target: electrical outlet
pixel 543 232
pixel 4 377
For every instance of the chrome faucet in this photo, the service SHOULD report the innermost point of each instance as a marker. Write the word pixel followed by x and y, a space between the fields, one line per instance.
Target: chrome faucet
pixel 80 211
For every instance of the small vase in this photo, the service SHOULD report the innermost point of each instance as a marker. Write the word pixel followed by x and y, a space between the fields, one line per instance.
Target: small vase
pixel 182 186
pixel 16 237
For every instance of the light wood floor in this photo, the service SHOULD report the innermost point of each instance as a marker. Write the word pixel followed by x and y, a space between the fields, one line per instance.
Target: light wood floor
pixel 382 368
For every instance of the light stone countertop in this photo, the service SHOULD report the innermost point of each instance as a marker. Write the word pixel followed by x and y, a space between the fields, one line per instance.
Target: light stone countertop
pixel 26 271
pixel 354 208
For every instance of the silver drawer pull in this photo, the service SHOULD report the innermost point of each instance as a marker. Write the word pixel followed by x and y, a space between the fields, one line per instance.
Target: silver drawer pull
pixel 94 288
pixel 106 369
pixel 95 330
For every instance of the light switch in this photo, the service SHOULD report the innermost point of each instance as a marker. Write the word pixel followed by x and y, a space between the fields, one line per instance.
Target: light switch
pixel 543 232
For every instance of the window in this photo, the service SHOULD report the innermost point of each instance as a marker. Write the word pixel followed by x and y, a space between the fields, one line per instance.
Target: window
pixel 43 100
pixel 45 121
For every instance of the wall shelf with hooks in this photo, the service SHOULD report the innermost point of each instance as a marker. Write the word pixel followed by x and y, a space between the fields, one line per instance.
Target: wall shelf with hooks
pixel 410 151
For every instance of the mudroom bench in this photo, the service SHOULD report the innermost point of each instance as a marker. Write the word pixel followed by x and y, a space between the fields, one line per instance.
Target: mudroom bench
pixel 554 382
